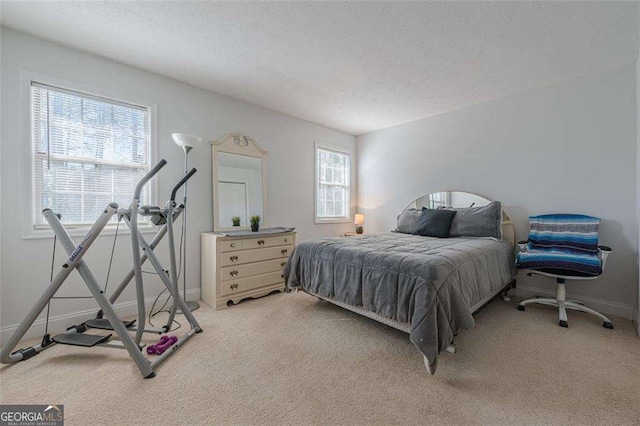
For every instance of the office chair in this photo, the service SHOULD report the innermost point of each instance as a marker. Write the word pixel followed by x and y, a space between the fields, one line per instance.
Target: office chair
pixel 564 247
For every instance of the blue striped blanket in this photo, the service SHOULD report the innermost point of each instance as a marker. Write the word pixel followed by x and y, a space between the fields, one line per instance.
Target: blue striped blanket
pixel 562 243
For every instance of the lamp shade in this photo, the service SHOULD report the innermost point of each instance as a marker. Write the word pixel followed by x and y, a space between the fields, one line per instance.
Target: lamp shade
pixel 186 140
pixel 359 219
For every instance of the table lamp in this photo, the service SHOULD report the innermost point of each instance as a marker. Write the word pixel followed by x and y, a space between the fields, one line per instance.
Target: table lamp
pixel 359 221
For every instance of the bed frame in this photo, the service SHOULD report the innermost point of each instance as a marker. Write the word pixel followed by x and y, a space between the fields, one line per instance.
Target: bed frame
pixel 405 326
pixel 508 234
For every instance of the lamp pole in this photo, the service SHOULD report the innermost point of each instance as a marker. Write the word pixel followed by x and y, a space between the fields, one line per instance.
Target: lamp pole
pixel 187 143
pixel 193 305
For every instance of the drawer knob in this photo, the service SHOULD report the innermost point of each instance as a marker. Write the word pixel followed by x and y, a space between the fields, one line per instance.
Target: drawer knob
pixel 260 242
pixel 281 275
pixel 283 264
pixel 233 273
pixel 286 240
pixel 233 286
pixel 233 258
pixel 284 251
pixel 233 245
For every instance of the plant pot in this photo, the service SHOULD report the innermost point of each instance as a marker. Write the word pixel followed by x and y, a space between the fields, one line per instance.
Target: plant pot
pixel 255 228
pixel 236 224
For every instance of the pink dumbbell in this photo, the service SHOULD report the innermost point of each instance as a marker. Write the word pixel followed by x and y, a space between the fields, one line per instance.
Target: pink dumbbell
pixel 165 343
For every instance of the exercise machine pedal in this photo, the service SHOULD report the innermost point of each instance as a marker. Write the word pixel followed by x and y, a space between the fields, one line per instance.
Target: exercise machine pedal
pixel 78 339
pixel 104 324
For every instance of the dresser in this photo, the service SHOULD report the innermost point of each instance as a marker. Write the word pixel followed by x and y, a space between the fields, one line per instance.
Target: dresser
pixel 236 268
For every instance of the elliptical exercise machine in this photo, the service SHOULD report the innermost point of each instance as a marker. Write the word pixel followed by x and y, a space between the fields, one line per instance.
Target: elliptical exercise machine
pixel 160 217
pixel 76 335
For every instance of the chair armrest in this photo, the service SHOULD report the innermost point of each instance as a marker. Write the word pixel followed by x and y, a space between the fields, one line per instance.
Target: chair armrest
pixel 604 252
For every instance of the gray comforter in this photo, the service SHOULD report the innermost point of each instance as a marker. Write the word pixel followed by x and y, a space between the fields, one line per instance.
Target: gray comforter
pixel 430 283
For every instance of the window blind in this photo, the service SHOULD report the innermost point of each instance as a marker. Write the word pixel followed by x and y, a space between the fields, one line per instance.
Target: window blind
pixel 333 184
pixel 87 152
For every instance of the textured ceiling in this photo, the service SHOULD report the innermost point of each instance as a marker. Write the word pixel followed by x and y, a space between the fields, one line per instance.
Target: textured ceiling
pixel 356 67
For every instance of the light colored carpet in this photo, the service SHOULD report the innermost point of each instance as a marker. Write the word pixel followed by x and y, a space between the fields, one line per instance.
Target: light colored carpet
pixel 292 359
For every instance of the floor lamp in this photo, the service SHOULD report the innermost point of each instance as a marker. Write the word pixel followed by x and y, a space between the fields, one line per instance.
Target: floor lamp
pixel 187 142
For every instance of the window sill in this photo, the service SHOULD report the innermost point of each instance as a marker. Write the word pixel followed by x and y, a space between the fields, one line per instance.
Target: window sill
pixel 81 232
pixel 339 220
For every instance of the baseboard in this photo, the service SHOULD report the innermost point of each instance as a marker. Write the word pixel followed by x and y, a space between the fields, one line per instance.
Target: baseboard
pixel 604 306
pixel 59 323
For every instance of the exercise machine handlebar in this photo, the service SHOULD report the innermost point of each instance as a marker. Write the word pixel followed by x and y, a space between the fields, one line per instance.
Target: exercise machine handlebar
pixel 146 178
pixel 135 241
pixel 182 182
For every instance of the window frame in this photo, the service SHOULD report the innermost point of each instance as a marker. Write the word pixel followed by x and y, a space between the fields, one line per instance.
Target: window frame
pixel 29 228
pixel 340 150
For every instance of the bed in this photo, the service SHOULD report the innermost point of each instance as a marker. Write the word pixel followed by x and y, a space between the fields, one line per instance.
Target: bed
pixel 428 287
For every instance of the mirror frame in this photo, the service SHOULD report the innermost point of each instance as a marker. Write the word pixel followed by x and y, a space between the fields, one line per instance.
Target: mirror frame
pixel 237 143
pixel 508 229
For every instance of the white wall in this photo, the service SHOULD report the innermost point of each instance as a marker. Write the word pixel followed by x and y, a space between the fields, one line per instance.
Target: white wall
pixel 181 108
pixel 566 148
pixel 636 316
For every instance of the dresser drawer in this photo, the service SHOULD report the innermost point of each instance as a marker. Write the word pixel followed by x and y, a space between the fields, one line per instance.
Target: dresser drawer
pixel 238 286
pixel 230 245
pixel 258 255
pixel 278 240
pixel 250 269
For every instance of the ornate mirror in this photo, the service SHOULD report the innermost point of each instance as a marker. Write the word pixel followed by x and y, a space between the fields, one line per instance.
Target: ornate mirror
pixel 239 182
pixel 461 199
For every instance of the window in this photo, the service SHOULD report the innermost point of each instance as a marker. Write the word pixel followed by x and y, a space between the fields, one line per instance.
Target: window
pixel 333 184
pixel 87 151
pixel 439 200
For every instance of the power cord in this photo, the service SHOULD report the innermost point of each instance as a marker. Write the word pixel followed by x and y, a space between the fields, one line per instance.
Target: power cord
pixel 162 309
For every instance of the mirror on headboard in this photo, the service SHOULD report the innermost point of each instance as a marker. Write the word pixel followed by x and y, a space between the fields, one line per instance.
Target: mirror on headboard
pixel 239 182
pixel 461 199
pixel 457 199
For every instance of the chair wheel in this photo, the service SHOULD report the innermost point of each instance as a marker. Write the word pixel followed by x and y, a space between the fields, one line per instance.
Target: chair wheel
pixel 607 325
pixel 520 307
pixel 563 324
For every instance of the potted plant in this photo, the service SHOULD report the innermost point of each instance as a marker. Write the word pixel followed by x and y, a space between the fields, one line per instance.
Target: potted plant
pixel 235 220
pixel 255 223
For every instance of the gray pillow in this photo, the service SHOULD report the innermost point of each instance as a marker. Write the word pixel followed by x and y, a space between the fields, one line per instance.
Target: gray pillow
pixel 435 222
pixel 408 221
pixel 485 221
